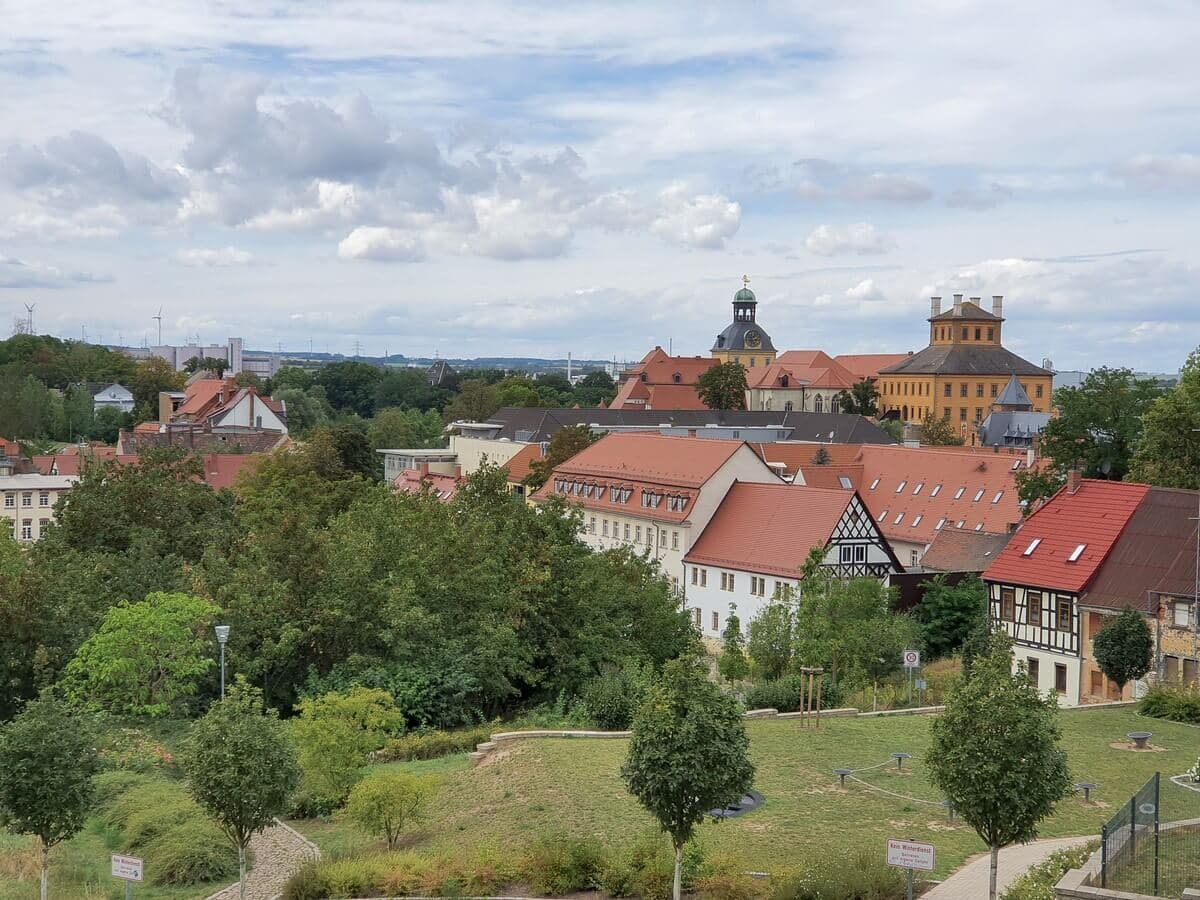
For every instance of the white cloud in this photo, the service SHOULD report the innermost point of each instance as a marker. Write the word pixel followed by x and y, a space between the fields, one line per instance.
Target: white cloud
pixel 1148 331
pixel 383 244
pixel 865 291
pixel 861 238
pixel 103 221
pixel 26 274
pixel 1179 171
pixel 708 220
pixel 205 258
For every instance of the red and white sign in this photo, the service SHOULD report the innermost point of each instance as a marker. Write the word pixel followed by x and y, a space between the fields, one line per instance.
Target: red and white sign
pixel 910 855
pixel 912 659
pixel 127 867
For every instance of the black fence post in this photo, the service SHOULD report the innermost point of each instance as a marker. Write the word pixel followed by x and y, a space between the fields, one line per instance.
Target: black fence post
pixel 1104 855
pixel 1157 777
pixel 1133 826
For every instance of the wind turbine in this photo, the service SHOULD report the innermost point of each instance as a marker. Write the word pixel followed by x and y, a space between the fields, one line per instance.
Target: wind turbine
pixel 29 307
pixel 159 320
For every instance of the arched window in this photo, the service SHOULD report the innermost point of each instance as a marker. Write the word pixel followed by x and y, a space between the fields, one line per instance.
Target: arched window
pixel 787 407
pixel 819 403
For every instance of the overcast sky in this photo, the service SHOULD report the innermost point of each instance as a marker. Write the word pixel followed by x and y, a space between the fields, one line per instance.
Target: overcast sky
pixel 476 178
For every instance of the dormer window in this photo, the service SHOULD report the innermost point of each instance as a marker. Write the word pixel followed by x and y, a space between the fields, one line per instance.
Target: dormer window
pixel 677 378
pixel 643 377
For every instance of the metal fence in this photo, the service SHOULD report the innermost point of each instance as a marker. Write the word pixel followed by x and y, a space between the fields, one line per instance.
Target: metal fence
pixel 1151 845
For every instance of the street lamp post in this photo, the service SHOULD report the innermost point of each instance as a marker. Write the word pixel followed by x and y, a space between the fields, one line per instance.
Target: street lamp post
pixel 222 638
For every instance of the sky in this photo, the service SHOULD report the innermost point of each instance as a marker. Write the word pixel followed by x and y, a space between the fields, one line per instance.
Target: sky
pixel 515 179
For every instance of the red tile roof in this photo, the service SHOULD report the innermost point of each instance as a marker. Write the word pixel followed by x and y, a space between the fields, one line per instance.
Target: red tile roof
pixel 867 365
pixel 8 448
pixel 769 528
pixel 795 454
pixel 414 481
pixel 662 382
pixel 221 470
pixel 807 368
pixel 202 396
pixel 518 466
pixel 645 456
pixel 1093 517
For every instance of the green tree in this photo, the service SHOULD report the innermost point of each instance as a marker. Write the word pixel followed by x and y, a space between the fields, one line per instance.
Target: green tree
pixel 595 388
pixel 78 412
pixel 995 753
pixel 1099 423
pixel 771 636
pixel 334 734
pixel 304 410
pixel 409 389
pixel 107 424
pixel 241 767
pixel 821 457
pixel 733 664
pixel 947 613
pixel 519 391
pixel 405 428
pixel 213 364
pixel 354 449
pixel 1124 648
pixel 566 442
pixel 1034 485
pixel 47 759
pixel 861 400
pixel 475 401
pixel 723 386
pixel 292 377
pixel 146 658
pixel 937 431
pixel 388 802
pixel 1168 453
pixel 893 428
pixel 689 753
pixel 350 386
pixel 151 377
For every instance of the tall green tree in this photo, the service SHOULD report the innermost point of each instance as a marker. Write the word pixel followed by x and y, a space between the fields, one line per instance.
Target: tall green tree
pixel 147 658
pixel 733 664
pixel 565 443
pixel 47 760
pixel 1034 485
pixel 305 410
pixel 1124 647
pixel 996 756
pixel 937 432
pixel 595 388
pixel 771 635
pixel 1099 423
pixel 723 386
pixel 213 364
pixel 151 377
pixel 409 389
pixel 861 400
pixel 475 401
pixel 1168 453
pixel 350 386
pixel 947 613
pixel 689 753
pixel 405 428
pixel 241 767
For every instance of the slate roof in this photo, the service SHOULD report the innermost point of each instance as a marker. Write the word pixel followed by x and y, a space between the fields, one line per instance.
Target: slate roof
pixel 1001 425
pixel 769 528
pixel 957 550
pixel 965 359
pixel 1093 517
pixel 1156 552
pixel 1013 395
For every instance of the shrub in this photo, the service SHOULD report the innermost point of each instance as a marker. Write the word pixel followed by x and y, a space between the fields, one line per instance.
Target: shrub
pixel 385 803
pixel 133 750
pixel 147 824
pixel 432 744
pixel 728 884
pixel 110 785
pixel 356 877
pixel 1038 883
pixel 1179 703
pixel 647 868
pixel 861 877
pixel 610 700
pixel 558 865
pixel 190 852
pixel 458 876
pixel 784 694
pixel 152 793
pixel 308 882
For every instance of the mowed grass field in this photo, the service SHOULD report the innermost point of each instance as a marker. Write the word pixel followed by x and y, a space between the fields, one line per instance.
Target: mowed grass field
pixel 558 786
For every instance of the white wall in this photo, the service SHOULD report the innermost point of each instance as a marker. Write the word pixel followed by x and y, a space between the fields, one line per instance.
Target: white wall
pixel 471 451
pixel 1047 660
pixel 247 412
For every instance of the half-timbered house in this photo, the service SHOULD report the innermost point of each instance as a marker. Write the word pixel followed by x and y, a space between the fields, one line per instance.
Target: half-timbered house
pixel 756 542
pixel 1035 584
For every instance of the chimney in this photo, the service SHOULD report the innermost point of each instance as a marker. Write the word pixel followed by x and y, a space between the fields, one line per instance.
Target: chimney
pixel 1074 480
pixel 958 304
pixel 977 301
pixel 457 472
pixel 423 469
pixel 998 305
pixel 935 306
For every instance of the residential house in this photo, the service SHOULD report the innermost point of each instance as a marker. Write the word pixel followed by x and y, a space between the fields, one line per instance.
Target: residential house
pixel 28 503
pixel 441 375
pixel 441 462
pixel 10 457
pixel 1036 584
pixel 110 396
pixel 661 381
pixel 651 493
pixel 220 404
pixel 752 549
pixel 519 467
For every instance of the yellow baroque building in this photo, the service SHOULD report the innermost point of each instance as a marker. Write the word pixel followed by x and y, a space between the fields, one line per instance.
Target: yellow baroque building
pixel 963 371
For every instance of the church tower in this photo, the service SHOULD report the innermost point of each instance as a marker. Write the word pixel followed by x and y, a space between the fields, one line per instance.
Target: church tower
pixel 743 340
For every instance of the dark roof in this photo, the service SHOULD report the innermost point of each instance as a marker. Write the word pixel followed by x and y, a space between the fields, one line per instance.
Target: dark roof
pixel 1014 395
pixel 1000 427
pixel 959 550
pixel 964 359
pixel 1156 552
pixel 734 337
pixel 541 424
pixel 440 373
pixel 967 310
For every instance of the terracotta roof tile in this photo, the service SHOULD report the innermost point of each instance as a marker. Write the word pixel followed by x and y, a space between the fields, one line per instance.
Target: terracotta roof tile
pixel 413 481
pixel 680 461
pixel 867 365
pixel 1092 518
pixel 769 528
pixel 221 470
pixel 518 466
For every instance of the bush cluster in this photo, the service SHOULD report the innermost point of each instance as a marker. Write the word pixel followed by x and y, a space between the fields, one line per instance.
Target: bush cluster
pixel 861 877
pixel 432 744
pixel 1038 883
pixel 1179 703
pixel 159 822
pixel 784 693
pixel 611 699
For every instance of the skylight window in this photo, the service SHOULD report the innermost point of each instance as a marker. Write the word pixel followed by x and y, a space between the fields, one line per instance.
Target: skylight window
pixel 874 484
pixel 1016 465
pixel 959 493
pixel 960 523
pixel 1076 553
pixel 996 499
pixel 844 481
pixel 1033 545
pixel 900 486
pixel 882 516
pixel 899 518
pixel 979 527
pixel 940 523
pixel 917 489
pixel 937 489
pixel 916 521
pixel 978 496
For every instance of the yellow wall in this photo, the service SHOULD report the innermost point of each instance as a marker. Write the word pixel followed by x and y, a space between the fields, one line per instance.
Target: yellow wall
pixel 926 394
pixel 748 358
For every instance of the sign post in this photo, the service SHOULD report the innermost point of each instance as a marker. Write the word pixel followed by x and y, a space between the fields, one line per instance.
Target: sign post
pixel 910 855
pixel 912 661
pixel 129 869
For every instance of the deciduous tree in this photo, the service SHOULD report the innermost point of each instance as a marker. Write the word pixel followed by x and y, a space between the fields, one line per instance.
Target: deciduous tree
pixel 47 759
pixel 1168 453
pixel 733 664
pixel 947 613
pixel 723 386
pixel 388 802
pixel 475 401
pixel 565 443
pixel 689 753
pixel 861 400
pixel 595 388
pixel 937 431
pixel 1124 648
pixel 996 754
pixel 771 635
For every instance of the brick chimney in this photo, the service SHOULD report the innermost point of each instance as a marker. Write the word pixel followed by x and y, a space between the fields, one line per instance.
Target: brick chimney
pixel 423 469
pixel 998 305
pixel 958 304
pixel 1074 480
pixel 457 472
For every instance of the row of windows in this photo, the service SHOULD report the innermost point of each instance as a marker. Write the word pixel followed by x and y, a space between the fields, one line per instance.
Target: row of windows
pixel 921 389
pixel 750 362
pixel 23 531
pixel 10 498
pixel 937 489
pixel 946 333
pixel 1033 673
pixel 650 499
pixel 1061 611
pixel 632 533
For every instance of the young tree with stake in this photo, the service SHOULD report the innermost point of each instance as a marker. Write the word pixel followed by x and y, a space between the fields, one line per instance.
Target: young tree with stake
pixel 241 767
pixel 688 754
pixel 1124 648
pixel 996 754
pixel 46 765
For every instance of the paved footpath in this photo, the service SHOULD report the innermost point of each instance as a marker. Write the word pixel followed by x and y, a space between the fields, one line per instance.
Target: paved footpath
pixel 971 881
pixel 278 852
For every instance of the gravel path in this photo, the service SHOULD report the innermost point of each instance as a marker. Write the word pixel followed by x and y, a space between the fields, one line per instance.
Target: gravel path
pixel 278 852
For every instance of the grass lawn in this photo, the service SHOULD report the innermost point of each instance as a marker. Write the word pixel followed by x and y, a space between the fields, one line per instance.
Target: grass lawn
pixel 536 787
